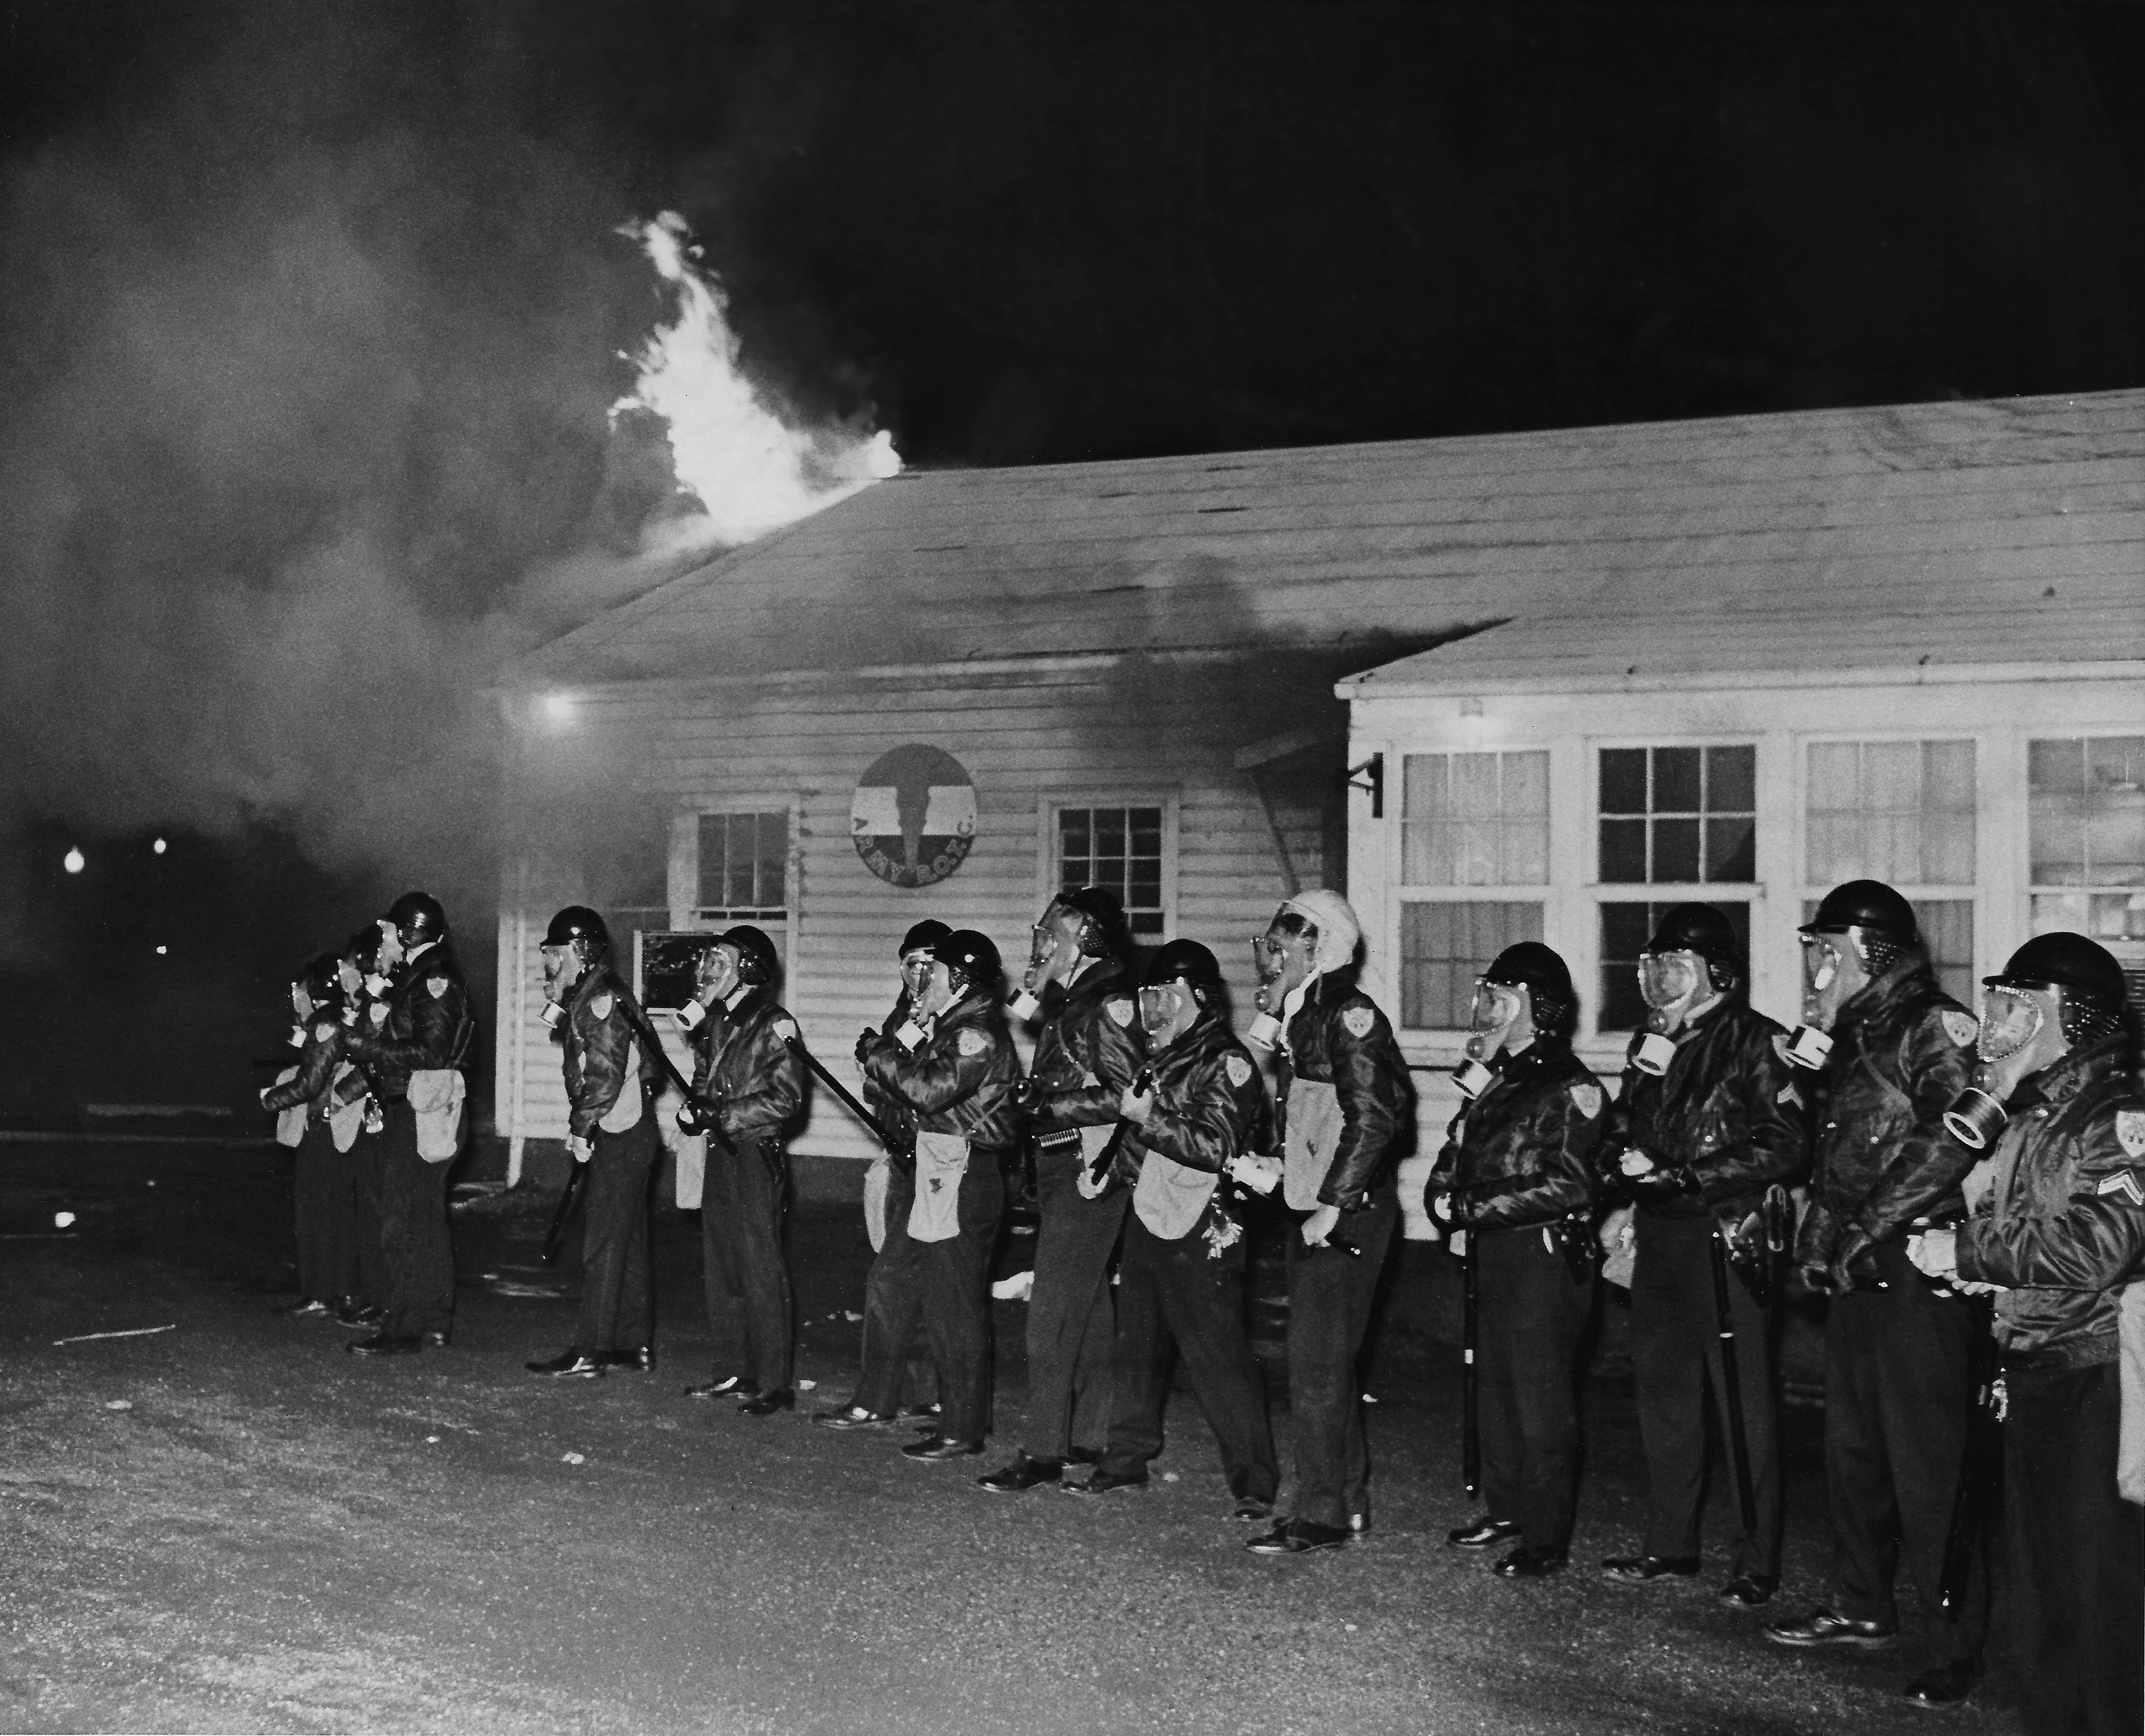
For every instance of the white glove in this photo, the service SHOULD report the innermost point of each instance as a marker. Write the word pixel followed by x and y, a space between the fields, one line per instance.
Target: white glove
pixel 1133 1108
pixel 1636 1164
pixel 1320 1224
pixel 1934 1252
pixel 582 1149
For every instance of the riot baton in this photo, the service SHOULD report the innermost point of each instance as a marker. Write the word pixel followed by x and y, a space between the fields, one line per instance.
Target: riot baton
pixel 1471 1415
pixel 566 1198
pixel 1098 1172
pixel 1982 1452
pixel 637 1019
pixel 1739 1439
pixel 787 1031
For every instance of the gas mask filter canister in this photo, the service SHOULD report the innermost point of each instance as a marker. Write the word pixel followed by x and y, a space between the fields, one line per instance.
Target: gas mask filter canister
pixel 2010 1020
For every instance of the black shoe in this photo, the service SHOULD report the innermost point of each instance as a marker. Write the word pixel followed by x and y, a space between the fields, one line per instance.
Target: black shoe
pixel 1824 1627
pixel 570 1364
pixel 768 1402
pixel 855 1417
pixel 724 1386
pixel 1102 1482
pixel 1024 1473
pixel 925 1413
pixel 638 1360
pixel 306 1308
pixel 1297 1537
pixel 1251 1509
pixel 382 1344
pixel 1948 1684
pixel 1748 1591
pixel 1640 1569
pixel 1527 1562
pixel 933 1448
pixel 1483 1532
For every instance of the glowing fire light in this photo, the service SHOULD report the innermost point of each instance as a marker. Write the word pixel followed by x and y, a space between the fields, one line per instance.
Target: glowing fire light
pixel 160 847
pixel 752 469
pixel 74 862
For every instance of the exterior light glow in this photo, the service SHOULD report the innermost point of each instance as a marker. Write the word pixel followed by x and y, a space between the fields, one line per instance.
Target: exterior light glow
pixel 74 862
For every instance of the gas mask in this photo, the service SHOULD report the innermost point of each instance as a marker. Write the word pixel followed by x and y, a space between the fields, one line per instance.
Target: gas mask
pixel 391 946
pixel 1053 956
pixel 915 973
pixel 1502 1021
pixel 1167 1011
pixel 938 994
pixel 716 978
pixel 1673 985
pixel 1833 974
pixel 2022 1033
pixel 1284 963
pixel 562 970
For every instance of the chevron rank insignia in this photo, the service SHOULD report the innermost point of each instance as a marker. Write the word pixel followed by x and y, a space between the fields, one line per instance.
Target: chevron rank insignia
pixel 1120 1012
pixel 1961 1027
pixel 1359 1020
pixel 1588 1098
pixel 973 1041
pixel 2123 1182
pixel 1789 1093
pixel 600 1006
pixel 1238 1069
pixel 2130 1130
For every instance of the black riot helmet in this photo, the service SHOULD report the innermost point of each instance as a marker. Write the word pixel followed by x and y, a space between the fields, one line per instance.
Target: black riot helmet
pixel 973 958
pixel 2091 984
pixel 1702 929
pixel 363 949
pixel 1884 921
pixel 417 918
pixel 1101 919
pixel 321 978
pixel 923 937
pixel 756 955
pixel 1184 960
pixel 578 924
pixel 1547 980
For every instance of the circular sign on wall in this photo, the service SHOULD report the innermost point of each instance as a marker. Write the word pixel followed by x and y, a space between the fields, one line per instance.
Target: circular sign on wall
pixel 913 817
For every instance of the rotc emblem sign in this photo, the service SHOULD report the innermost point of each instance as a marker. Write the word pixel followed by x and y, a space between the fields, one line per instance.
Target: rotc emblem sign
pixel 913 818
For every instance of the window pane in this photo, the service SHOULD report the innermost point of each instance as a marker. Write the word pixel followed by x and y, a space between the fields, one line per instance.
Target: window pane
pixel 1475 819
pixel 1676 850
pixel 1731 849
pixel 1701 801
pixel 1900 811
pixel 1623 849
pixel 2086 812
pixel 1623 780
pixel 1677 788
pixel 1947 927
pixel 1120 849
pixel 714 889
pixel 773 861
pixel 1731 779
pixel 1444 945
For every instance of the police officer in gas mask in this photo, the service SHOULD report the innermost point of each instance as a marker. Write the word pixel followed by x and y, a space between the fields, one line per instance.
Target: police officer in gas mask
pixel 2059 1226
pixel 358 1119
pixel 1085 1058
pixel 1195 1106
pixel 1515 1180
pixel 322 1223
pixel 1344 1113
pixel 1709 1118
pixel 1888 1051
pixel 749 1084
pixel 414 1057
pixel 954 1064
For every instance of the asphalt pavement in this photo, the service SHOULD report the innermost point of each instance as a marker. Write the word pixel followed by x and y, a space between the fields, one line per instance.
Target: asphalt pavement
pixel 224 1523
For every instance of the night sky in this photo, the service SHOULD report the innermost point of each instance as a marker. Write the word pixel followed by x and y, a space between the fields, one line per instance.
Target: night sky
pixel 310 315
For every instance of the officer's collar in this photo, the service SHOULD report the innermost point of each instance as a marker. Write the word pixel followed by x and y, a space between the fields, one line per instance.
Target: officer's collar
pixel 733 1002
pixel 1883 987
pixel 1094 976
pixel 1200 1032
pixel 415 953
pixel 2071 1075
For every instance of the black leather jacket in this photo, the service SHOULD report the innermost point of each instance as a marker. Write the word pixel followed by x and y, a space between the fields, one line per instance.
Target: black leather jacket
pixel 597 1038
pixel 2063 1227
pixel 1725 1122
pixel 1209 1105
pixel 1522 1153
pixel 429 1024
pixel 1902 1052
pixel 755 1079
pixel 319 1061
pixel 1094 1029
pixel 1368 1076
pixel 891 1113
pixel 962 1080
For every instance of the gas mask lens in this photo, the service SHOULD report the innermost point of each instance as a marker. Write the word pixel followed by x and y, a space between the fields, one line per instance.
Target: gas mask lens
pixel 1158 1009
pixel 1496 1007
pixel 915 973
pixel 1269 956
pixel 2010 1019
pixel 1664 978
pixel 1820 962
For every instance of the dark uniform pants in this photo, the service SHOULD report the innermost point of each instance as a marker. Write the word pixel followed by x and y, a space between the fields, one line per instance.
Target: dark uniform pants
pixel 1069 1323
pixel 368 1190
pixel 414 1233
pixel 617 1312
pixel 315 1223
pixel 942 1287
pixel 1531 1316
pixel 749 1308
pixel 1676 1355
pixel 1179 1298
pixel 1898 1384
pixel 1329 1310
pixel 2076 1553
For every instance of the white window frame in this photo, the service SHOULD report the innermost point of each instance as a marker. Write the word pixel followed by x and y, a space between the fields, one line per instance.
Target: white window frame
pixel 686 913
pixel 1049 807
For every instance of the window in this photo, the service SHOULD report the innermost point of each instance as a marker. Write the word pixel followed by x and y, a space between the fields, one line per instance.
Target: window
pixel 1679 815
pixel 1445 945
pixel 2086 826
pixel 1475 819
pixel 1123 847
pixel 1625 930
pixel 743 871
pixel 1901 812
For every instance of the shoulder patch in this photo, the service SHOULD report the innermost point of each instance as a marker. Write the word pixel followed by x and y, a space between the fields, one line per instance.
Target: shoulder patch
pixel 1238 1069
pixel 601 1006
pixel 321 1033
pixel 437 985
pixel 1359 1020
pixel 2123 1182
pixel 1120 1012
pixel 1961 1027
pixel 972 1042
pixel 1588 1098
pixel 2130 1131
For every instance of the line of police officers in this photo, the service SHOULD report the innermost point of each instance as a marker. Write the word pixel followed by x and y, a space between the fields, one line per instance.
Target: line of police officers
pixel 1946 1158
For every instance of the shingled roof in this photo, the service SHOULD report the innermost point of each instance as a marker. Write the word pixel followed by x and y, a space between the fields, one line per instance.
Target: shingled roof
pixel 1952 533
